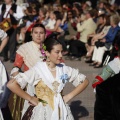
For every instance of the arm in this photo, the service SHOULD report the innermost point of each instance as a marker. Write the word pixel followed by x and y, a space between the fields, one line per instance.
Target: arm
pixel 20 80
pixel 56 26
pixel 111 35
pixel 81 27
pixel 78 80
pixel 4 39
pixel 3 44
pixel 18 35
pixel 15 88
pixel 76 91
pixel 110 70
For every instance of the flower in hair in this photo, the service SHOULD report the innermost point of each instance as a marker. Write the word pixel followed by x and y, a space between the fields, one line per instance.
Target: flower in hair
pixel 42 49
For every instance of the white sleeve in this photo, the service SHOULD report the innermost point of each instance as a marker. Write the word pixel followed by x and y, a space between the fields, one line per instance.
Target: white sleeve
pixel 3 34
pixel 115 65
pixel 75 76
pixel 30 77
pixel 19 13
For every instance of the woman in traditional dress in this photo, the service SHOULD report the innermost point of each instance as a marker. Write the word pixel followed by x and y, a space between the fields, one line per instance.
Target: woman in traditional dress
pixel 27 56
pixel 48 79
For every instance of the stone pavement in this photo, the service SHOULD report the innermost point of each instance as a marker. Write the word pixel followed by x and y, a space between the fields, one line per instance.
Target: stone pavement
pixel 82 106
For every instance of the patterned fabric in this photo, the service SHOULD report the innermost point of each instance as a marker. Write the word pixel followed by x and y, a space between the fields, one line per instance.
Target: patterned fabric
pixel 28 113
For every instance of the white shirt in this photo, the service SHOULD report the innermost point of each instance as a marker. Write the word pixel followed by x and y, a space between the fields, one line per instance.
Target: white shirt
pixel 51 24
pixel 19 12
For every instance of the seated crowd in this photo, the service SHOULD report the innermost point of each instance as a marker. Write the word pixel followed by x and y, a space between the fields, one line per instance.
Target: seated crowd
pixel 82 30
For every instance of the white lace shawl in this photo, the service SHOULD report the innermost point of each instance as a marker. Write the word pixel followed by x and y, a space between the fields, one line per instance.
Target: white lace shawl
pixel 41 72
pixel 31 53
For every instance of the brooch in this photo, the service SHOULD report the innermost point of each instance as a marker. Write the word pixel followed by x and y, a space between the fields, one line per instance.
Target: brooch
pixel 64 78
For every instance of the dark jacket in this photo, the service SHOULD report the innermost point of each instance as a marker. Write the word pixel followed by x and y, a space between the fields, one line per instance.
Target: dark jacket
pixel 107 104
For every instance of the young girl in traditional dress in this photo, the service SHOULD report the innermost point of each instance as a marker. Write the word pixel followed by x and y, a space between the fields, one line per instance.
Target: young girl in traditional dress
pixel 49 79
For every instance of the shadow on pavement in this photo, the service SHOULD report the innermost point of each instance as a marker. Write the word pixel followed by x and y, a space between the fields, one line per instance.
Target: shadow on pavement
pixel 77 110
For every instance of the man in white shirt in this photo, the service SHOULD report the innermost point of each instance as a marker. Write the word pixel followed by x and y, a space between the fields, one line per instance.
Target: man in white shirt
pixel 11 10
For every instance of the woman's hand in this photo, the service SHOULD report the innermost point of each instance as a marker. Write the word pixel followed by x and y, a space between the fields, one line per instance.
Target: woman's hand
pixel 33 101
pixel 66 98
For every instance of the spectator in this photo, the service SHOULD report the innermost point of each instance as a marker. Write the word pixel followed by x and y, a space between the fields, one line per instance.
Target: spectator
pixel 105 44
pixel 14 13
pixel 101 31
pixel 87 27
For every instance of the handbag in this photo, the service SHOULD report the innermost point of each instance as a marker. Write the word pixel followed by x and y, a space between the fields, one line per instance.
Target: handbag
pixel 5 24
pixel 28 113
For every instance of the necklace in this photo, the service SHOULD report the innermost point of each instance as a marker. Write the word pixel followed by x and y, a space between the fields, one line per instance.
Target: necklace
pixel 52 69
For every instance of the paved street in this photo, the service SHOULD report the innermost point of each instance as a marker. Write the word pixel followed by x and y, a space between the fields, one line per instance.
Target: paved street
pixel 82 106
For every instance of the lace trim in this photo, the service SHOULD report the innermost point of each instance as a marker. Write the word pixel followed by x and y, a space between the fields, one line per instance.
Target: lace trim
pixel 79 80
pixel 20 80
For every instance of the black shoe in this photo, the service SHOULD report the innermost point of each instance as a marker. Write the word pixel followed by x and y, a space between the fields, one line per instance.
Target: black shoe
pixel 5 59
pixel 88 61
pixel 98 66
pixel 92 64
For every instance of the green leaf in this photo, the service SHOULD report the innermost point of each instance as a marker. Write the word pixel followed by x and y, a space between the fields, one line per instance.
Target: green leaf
pixel 43 101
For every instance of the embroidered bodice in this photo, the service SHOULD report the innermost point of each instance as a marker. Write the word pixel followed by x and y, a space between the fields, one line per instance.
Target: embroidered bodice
pixel 45 93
